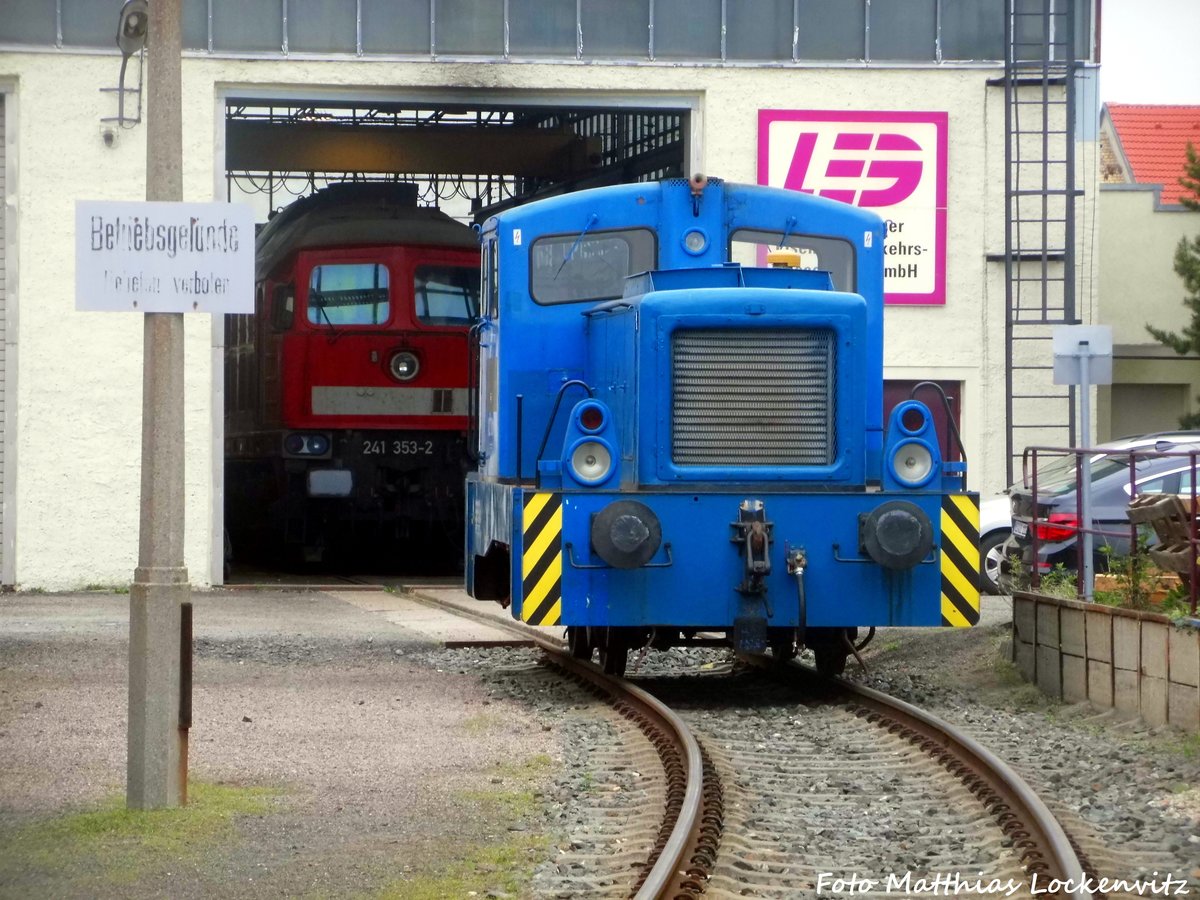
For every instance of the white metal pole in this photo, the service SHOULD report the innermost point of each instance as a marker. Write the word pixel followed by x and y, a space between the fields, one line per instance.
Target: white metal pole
pixel 1085 496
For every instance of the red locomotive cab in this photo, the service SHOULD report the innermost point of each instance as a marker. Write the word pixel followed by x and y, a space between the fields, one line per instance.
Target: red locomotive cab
pixel 359 377
pixel 380 339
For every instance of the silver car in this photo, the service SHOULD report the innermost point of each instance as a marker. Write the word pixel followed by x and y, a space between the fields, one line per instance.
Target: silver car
pixel 993 554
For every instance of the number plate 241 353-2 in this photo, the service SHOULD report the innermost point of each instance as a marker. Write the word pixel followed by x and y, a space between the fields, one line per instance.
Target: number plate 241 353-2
pixel 397 447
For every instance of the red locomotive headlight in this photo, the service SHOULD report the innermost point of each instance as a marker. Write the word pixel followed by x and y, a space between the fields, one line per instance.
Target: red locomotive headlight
pixel 404 365
pixel 591 418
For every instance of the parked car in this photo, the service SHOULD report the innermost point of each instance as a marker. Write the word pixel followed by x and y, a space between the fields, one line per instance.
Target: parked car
pixel 1057 505
pixel 995 526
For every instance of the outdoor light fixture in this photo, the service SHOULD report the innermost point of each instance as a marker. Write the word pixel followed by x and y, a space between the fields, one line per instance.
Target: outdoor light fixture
pixel 132 27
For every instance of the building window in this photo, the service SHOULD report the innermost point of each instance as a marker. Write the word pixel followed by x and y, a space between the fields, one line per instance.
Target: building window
pixel 252 27
pixel 685 30
pixel 615 28
pixel 541 27
pixel 396 26
pixel 464 27
pixel 759 29
pixel 903 29
pixel 322 26
pixel 831 29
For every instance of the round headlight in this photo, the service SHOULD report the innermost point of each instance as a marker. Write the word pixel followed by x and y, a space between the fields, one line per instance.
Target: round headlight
pixel 912 463
pixel 695 241
pixel 404 366
pixel 591 462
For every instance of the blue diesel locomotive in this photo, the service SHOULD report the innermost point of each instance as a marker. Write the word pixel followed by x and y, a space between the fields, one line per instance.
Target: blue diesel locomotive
pixel 677 436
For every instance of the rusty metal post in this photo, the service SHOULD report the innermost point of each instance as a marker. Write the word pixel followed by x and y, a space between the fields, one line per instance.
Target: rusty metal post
pixel 1133 531
pixel 160 583
pixel 1080 549
pixel 1193 568
pixel 1035 576
pixel 185 695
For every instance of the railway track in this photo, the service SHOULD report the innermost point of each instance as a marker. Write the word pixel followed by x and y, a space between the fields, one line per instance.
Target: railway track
pixel 748 806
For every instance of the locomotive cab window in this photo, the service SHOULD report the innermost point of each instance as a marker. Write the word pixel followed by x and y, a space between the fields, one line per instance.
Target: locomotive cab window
pixel 588 266
pixel 833 255
pixel 348 294
pixel 446 295
pixel 491 279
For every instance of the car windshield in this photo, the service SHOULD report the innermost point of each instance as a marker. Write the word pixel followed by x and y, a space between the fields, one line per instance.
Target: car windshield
pixel 1058 476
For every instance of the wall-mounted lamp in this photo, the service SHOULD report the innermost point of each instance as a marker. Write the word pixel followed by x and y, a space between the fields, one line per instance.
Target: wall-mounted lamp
pixel 131 29
pixel 131 41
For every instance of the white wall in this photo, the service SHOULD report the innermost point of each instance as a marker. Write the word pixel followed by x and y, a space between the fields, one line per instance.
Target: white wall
pixel 1152 386
pixel 79 377
pixel 1138 284
pixel 80 373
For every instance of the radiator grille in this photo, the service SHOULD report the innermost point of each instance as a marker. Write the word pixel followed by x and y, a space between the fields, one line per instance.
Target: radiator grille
pixel 753 397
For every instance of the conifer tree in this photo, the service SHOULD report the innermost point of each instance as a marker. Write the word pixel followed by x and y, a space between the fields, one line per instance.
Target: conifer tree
pixel 1187 267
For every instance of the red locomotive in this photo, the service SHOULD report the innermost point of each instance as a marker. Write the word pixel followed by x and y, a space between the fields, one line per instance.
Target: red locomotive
pixel 346 391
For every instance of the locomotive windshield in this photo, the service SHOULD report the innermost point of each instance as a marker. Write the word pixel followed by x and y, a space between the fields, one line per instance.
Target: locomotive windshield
pixel 570 268
pixel 348 294
pixel 833 255
pixel 446 295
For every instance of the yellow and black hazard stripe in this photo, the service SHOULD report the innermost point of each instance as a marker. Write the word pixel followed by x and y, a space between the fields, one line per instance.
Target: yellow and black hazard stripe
pixel 960 560
pixel 541 559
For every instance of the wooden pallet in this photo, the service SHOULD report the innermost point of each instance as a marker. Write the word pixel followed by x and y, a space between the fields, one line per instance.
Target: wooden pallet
pixel 1171 517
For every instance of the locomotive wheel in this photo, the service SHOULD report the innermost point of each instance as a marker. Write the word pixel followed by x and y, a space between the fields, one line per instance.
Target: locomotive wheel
pixel 614 652
pixel 832 647
pixel 783 643
pixel 830 660
pixel 579 642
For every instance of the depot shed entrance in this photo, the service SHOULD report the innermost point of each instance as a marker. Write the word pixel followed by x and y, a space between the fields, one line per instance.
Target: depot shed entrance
pixel 467 155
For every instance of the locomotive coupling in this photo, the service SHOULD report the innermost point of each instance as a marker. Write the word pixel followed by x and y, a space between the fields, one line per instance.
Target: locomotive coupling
pixel 752 535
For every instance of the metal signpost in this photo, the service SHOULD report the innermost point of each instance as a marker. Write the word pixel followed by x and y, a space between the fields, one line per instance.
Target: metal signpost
pixel 1083 356
pixel 162 258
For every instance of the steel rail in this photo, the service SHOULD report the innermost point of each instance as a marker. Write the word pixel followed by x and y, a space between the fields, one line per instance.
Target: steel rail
pixel 1047 847
pixel 1044 846
pixel 671 872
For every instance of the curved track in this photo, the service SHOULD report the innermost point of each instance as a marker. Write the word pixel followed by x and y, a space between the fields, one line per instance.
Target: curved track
pixel 686 854
pixel 687 840
pixel 1039 841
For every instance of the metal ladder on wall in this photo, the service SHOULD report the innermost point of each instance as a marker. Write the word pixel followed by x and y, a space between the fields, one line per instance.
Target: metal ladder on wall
pixel 1039 239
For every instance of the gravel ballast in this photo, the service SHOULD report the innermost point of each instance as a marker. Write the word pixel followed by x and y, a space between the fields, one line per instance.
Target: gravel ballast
pixel 396 763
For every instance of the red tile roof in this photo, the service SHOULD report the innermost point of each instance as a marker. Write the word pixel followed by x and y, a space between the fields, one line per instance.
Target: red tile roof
pixel 1154 141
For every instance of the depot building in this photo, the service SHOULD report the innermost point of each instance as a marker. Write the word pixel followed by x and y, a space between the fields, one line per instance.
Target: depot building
pixel 903 106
